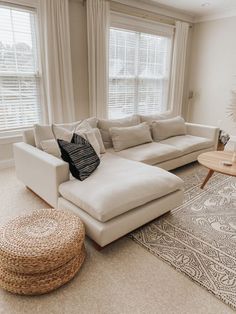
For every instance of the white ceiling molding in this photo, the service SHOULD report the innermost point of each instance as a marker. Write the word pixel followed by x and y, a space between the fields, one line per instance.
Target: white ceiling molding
pixel 159 9
pixel 194 11
pixel 215 16
pixel 27 3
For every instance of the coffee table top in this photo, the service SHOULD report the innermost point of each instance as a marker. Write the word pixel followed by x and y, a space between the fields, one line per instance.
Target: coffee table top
pixel 213 160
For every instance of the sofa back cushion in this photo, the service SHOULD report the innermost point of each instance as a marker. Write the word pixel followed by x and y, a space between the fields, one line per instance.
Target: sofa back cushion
pixel 46 132
pixel 51 147
pixel 28 137
pixel 42 133
pixel 166 128
pixel 70 126
pixel 104 125
pixel 130 136
pixel 153 117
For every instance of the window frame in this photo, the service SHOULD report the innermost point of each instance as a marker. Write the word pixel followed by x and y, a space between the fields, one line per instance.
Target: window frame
pixel 142 25
pixel 35 6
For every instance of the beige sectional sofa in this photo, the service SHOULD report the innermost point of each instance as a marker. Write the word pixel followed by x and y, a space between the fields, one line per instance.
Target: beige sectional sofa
pixel 126 190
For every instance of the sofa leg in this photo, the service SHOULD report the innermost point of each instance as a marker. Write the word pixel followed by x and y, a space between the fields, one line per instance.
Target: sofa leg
pixel 97 246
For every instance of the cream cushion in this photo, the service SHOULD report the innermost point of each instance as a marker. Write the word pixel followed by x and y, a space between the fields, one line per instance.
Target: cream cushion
pixel 104 125
pixel 61 133
pixel 83 129
pixel 150 153
pixel 42 133
pixel 153 117
pixel 92 135
pixel 92 122
pixel 130 136
pixel 91 138
pixel 28 137
pixel 188 143
pixel 51 147
pixel 45 132
pixel 100 141
pixel 163 129
pixel 125 185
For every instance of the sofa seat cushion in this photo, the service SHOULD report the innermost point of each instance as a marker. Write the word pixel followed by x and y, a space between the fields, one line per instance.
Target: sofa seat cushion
pixel 117 186
pixel 188 143
pixel 150 153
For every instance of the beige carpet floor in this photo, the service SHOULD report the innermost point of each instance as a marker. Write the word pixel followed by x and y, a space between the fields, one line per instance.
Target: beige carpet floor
pixel 123 278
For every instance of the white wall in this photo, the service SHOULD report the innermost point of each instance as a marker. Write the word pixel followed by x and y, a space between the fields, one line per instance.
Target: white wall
pixel 213 72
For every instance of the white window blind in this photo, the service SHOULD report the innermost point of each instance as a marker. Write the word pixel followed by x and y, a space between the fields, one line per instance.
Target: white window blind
pixel 19 79
pixel 139 69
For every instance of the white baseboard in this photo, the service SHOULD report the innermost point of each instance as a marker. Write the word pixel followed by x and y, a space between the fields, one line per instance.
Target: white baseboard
pixel 8 163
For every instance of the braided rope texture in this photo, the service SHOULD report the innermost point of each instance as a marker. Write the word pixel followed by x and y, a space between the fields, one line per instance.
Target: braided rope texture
pixel 40 251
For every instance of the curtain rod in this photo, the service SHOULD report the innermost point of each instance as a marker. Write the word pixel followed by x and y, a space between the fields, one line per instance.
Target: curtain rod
pixel 144 14
pixel 21 6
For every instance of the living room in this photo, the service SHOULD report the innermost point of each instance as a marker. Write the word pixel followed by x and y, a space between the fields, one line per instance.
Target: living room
pixel 117 156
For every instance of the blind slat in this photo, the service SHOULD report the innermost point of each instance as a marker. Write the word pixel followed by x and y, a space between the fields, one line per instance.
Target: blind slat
pixel 139 67
pixel 19 80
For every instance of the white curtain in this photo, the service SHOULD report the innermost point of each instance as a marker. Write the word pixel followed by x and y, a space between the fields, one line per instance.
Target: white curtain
pixel 98 38
pixel 57 88
pixel 178 67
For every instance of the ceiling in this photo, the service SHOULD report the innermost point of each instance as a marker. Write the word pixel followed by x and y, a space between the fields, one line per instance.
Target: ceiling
pixel 201 8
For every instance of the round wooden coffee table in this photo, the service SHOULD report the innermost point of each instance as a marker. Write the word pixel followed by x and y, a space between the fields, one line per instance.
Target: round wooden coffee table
pixel 214 162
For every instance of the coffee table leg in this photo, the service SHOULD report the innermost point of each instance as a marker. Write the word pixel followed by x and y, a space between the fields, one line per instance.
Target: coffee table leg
pixel 209 175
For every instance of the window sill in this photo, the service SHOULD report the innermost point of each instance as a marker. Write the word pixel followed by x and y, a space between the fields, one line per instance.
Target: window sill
pixel 10 139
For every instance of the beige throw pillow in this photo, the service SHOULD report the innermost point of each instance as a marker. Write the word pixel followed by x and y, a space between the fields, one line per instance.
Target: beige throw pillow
pixel 84 130
pixel 104 125
pixel 61 133
pixel 65 133
pixel 51 147
pixel 42 133
pixel 45 132
pixel 153 117
pixel 46 135
pixel 126 137
pixel 90 136
pixel 164 129
pixel 100 141
pixel 85 127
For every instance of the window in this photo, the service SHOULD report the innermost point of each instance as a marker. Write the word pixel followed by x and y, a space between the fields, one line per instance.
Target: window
pixel 139 70
pixel 19 68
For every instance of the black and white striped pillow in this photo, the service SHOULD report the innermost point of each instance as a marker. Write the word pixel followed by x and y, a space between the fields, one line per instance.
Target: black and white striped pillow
pixel 80 155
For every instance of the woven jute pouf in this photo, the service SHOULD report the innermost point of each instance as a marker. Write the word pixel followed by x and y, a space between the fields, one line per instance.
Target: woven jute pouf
pixel 40 251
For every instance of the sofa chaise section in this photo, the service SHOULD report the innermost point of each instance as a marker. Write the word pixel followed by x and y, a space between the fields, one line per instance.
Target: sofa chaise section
pixel 119 185
pixel 117 188
pixel 105 233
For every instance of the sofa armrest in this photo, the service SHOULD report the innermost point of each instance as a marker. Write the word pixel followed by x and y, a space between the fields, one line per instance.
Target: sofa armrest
pixel 41 172
pixel 209 132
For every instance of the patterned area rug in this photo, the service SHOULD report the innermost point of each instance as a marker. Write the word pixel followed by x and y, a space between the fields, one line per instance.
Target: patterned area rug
pixel 199 237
